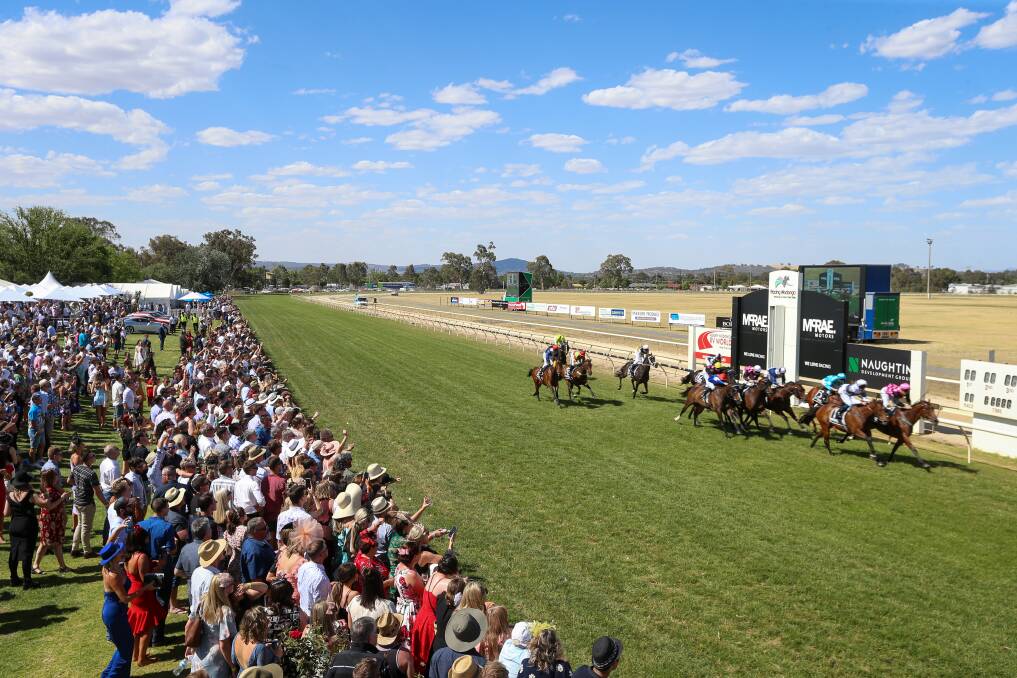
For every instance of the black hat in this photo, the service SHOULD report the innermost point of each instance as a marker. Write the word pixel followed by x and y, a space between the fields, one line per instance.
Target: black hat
pixel 22 481
pixel 606 651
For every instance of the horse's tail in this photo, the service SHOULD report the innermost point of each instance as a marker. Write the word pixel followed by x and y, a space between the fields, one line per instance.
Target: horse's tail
pixel 807 418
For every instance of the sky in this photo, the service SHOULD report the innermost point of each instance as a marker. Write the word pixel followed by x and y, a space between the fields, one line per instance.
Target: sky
pixel 679 134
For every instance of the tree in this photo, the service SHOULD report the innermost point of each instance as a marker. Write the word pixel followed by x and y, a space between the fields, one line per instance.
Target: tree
pixel 40 239
pixel 479 279
pixel 338 275
pixel 202 268
pixel 125 265
pixel 430 278
pixel 281 276
pixel 615 271
pixel 392 273
pixel 542 270
pixel 456 267
pixel 484 275
pixel 410 274
pixel 240 248
pixel 357 273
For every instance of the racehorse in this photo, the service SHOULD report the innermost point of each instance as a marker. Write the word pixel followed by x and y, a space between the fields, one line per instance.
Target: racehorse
pixel 641 375
pixel 754 404
pixel 779 401
pixel 816 398
pixel 550 378
pixel 579 376
pixel 723 401
pixel 854 419
pixel 900 425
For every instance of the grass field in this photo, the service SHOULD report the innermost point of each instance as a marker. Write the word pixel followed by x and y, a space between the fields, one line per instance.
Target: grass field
pixel 706 555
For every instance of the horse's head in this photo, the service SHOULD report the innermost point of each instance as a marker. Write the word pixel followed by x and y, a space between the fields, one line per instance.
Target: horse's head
pixel 796 389
pixel 927 410
pixel 652 359
pixel 878 412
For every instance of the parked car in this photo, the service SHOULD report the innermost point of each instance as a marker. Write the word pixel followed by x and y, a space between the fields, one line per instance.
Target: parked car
pixel 360 302
pixel 147 323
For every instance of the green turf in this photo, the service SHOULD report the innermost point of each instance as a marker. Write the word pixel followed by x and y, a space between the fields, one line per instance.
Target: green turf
pixel 705 555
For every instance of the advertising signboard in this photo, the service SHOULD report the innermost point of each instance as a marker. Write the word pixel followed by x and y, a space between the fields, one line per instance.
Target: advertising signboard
pixel 562 309
pixel 750 320
pixel 878 366
pixel 468 301
pixel 453 300
pixel 536 307
pixel 823 335
pixel 584 311
pixel 707 342
pixel 686 319
pixel 646 316
pixel 611 313
pixel 724 322
pixel 499 303
pixel 517 305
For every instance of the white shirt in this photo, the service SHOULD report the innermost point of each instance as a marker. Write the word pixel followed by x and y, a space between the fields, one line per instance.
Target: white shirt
pixel 109 470
pixel 313 585
pixel 129 398
pixel 290 515
pixel 137 487
pixel 201 579
pixel 223 482
pixel 204 445
pixel 154 413
pixel 247 494
pixel 117 393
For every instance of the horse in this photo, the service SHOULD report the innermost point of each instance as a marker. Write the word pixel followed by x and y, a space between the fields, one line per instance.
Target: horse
pixel 855 420
pixel 779 401
pixel 550 377
pixel 816 398
pixel 579 376
pixel 723 401
pixel 754 400
pixel 900 425
pixel 640 376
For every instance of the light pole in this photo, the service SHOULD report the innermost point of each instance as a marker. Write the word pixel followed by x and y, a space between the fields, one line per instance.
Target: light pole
pixel 928 271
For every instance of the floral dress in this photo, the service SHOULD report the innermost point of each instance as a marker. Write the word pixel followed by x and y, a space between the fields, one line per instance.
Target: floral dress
pixel 407 602
pixel 52 523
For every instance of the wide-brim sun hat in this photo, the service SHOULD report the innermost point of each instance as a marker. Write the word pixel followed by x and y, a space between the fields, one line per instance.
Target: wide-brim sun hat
pixel 212 550
pixel 22 481
pixel 464 667
pixel 266 671
pixel 343 507
pixel 110 551
pixel 175 496
pixel 356 493
pixel 375 471
pixel 465 629
pixel 380 506
pixel 388 625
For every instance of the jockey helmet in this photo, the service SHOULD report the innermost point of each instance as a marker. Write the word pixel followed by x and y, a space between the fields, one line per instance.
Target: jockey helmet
pixel 905 387
pixel 781 370
pixel 842 376
pixel 861 383
pixel 555 347
pixel 645 348
pixel 757 368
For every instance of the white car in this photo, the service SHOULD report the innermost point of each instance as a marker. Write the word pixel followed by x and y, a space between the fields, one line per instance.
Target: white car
pixel 360 302
pixel 146 323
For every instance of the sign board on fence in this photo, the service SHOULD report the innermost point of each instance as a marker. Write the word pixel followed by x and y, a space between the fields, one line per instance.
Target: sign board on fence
pixel 453 300
pixel 584 311
pixel 499 303
pixel 611 313
pixel 686 319
pixel 517 305
pixel 724 322
pixel 706 342
pixel 469 301
pixel 646 316
pixel 878 366
pixel 562 309
pixel 750 317
pixel 823 335
pixel 536 307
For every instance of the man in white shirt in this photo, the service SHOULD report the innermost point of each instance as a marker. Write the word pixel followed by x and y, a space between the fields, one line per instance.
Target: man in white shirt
pixel 130 399
pixel 136 476
pixel 225 479
pixel 312 582
pixel 153 414
pixel 247 495
pixel 211 556
pixel 109 470
pixel 116 398
pixel 296 494
pixel 205 440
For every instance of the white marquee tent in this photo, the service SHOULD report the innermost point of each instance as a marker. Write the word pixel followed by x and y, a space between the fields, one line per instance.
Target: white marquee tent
pixel 150 292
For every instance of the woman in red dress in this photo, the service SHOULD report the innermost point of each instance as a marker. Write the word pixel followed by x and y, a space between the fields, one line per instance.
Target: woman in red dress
pixel 8 457
pixel 52 521
pixel 145 612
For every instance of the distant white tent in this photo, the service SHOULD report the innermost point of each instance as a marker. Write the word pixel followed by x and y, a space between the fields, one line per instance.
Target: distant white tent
pixel 5 283
pixel 154 292
pixel 91 291
pixel 46 285
pixel 60 294
pixel 195 296
pixel 13 293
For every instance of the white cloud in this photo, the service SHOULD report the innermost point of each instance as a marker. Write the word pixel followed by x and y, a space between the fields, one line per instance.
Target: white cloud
pixel 302 168
pixel 1005 200
pixel 559 77
pixel 792 142
pixel 308 91
pixel 1005 95
pixel 222 176
pixel 19 112
pixel 787 209
pixel 926 39
pixel 309 198
pixel 693 58
pixel 785 104
pixel 179 52
pixel 584 166
pixel 904 100
pixel 814 120
pixel 493 85
pixel 458 95
pixel 615 141
pixel 379 165
pixel 515 169
pixel 557 143
pixel 155 193
pixel 1002 33
pixel 572 18
pixel 602 189
pixel 442 129
pixel 205 186
pixel 379 117
pixel 653 154
pixel 666 88
pixel 357 140
pixel 226 137
pixel 29 171
pixel 1008 168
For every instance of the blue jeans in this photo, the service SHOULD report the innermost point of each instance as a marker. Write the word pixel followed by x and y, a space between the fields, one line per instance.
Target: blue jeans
pixel 114 616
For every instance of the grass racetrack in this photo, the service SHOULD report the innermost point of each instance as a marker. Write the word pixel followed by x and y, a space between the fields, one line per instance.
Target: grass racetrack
pixel 706 555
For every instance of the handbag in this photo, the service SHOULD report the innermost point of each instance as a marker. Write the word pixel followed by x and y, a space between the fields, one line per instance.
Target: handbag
pixel 193 631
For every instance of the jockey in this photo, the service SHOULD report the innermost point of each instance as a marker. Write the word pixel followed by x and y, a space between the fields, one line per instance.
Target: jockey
pixel 563 344
pixel 851 395
pixel 577 358
pixel 549 353
pixel 832 382
pixel 895 395
pixel 775 374
pixel 641 357
pixel 714 380
pixel 753 373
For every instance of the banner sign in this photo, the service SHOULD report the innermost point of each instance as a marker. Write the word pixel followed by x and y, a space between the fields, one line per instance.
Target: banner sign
pixel 711 342
pixel 584 311
pixel 724 322
pixel 453 300
pixel 646 316
pixel 611 313
pixel 517 306
pixel 686 319
pixel 537 308
pixel 498 303
pixel 749 315
pixel 823 332
pixel 878 366
pixel 562 309
pixel 469 301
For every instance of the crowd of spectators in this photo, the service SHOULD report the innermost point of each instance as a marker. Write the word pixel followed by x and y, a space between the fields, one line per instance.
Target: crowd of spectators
pixel 294 559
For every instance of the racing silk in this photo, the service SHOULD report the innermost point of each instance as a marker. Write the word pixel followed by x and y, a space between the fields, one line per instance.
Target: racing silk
pixel 640 358
pixel 548 354
pixel 715 380
pixel 891 395
pixel 751 373
pixel 774 377
pixel 830 382
pixel 850 394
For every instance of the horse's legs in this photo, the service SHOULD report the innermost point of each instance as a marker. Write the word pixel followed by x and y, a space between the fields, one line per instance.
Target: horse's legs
pixel 906 439
pixel 635 387
pixel 620 382
pixel 536 387
pixel 646 386
pixel 769 420
pixel 590 390
pixel 687 403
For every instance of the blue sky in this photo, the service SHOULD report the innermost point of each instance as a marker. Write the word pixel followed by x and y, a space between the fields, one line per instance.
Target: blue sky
pixel 391 132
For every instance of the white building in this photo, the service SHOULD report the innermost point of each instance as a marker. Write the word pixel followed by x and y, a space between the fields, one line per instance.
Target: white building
pixel 968 288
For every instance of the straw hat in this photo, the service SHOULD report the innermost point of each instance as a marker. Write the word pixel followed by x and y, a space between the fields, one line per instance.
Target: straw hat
pixel 212 550
pixel 388 628
pixel 355 493
pixel 343 507
pixel 175 496
pixel 380 506
pixel 464 667
pixel 416 533
pixel 375 471
pixel 267 671
pixel 465 629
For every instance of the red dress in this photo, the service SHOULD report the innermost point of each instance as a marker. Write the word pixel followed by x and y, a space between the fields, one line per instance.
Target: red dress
pixel 52 524
pixel 145 612
pixel 422 632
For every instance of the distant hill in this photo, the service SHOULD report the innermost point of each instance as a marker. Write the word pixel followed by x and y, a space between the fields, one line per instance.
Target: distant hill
pixel 501 266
